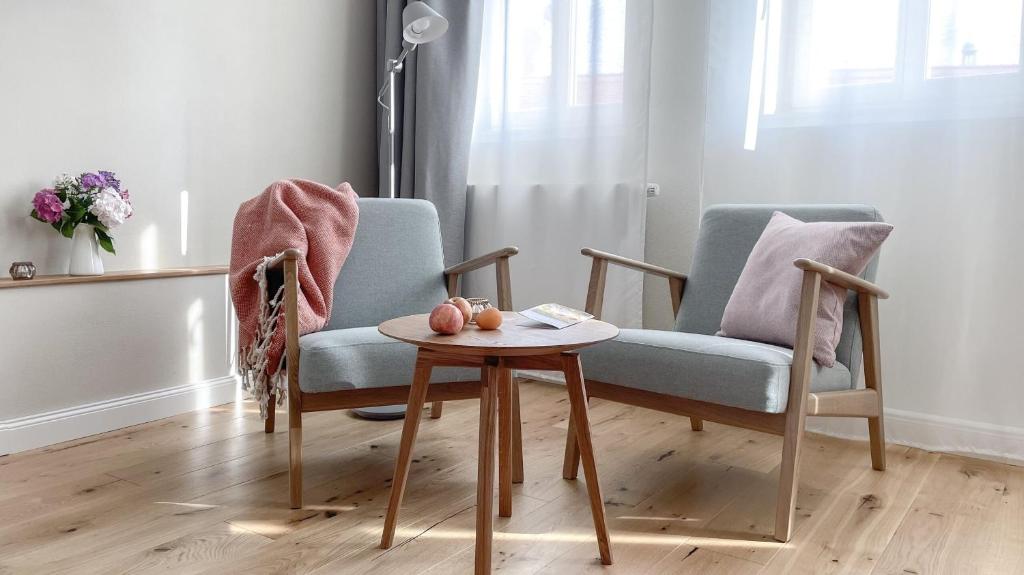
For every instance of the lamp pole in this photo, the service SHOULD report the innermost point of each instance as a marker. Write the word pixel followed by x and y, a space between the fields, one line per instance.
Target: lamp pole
pixel 420 24
pixel 393 66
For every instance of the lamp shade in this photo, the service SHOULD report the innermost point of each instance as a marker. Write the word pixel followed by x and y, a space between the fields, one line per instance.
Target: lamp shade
pixel 421 24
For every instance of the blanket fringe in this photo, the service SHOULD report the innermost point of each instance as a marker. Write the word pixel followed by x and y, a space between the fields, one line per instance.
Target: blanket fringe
pixel 253 360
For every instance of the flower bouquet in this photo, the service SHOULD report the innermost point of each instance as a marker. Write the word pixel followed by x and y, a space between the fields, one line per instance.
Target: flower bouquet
pixel 95 202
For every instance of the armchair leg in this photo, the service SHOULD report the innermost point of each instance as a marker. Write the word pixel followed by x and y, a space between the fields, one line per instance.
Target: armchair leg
pixel 876 433
pixel 294 453
pixel 571 462
pixel 788 473
pixel 268 423
pixel 868 312
pixel 435 409
pixel 696 424
pixel 796 408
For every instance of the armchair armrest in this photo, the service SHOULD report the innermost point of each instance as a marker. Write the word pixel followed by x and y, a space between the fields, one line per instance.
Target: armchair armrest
pixel 595 291
pixel 479 262
pixel 289 254
pixel 504 281
pixel 841 278
pixel 633 264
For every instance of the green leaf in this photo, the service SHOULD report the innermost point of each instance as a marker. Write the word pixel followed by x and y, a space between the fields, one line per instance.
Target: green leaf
pixel 35 216
pixel 67 229
pixel 106 242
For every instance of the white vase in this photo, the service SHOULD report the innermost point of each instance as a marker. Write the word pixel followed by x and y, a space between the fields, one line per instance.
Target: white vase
pixel 85 253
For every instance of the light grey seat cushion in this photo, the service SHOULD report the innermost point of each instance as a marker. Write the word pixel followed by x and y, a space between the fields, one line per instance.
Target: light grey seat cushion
pixel 360 357
pixel 720 370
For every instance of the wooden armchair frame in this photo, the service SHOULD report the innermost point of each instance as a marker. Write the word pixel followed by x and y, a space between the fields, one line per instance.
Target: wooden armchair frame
pixel 866 403
pixel 300 402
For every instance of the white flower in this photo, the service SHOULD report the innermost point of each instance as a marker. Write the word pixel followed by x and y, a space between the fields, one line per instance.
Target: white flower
pixel 63 181
pixel 110 208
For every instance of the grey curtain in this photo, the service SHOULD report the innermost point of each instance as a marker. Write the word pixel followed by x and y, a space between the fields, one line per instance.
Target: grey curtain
pixel 435 98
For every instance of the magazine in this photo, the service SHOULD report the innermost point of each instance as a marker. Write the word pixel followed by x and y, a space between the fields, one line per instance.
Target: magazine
pixel 555 315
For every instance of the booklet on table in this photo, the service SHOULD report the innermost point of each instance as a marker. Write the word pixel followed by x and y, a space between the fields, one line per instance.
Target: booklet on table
pixel 555 315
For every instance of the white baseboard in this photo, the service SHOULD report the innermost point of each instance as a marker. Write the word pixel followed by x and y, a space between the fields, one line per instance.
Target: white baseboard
pixel 933 433
pixel 42 429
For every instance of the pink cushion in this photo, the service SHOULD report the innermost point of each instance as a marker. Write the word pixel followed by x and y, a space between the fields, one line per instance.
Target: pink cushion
pixel 765 303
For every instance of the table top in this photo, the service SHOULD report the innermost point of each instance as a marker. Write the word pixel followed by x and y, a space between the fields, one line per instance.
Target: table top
pixel 517 336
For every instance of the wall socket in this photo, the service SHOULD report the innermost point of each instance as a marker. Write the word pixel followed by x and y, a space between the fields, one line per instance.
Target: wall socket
pixel 653 190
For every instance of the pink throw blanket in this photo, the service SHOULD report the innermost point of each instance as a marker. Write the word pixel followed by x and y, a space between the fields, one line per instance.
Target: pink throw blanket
pixel 318 221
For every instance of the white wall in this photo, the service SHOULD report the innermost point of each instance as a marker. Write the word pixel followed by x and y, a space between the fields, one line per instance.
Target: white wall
pixel 675 147
pixel 216 98
pixel 952 189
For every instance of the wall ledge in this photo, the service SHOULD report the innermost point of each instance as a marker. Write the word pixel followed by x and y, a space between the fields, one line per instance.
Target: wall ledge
pixel 115 276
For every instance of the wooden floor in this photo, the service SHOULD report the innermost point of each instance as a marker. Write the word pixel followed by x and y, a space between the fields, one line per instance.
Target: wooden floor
pixel 207 492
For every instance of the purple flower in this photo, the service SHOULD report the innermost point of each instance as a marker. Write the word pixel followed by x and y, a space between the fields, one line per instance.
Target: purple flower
pixel 90 181
pixel 48 206
pixel 110 180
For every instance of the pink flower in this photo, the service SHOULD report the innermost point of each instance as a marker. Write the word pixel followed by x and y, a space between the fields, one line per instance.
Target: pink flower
pixel 48 206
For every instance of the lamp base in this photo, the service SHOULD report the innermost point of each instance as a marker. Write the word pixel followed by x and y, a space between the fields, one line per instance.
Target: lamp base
pixel 381 413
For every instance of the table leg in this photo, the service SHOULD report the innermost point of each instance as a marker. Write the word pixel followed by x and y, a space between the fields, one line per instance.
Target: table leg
pixel 505 444
pixel 489 383
pixel 571 460
pixel 414 409
pixel 578 400
pixel 517 436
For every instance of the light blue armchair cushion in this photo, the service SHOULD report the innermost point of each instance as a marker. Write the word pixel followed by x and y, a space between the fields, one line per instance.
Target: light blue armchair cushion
pixel 395 268
pixel 719 370
pixel 727 236
pixel 360 357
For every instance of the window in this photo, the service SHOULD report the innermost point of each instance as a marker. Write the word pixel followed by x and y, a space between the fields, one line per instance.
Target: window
pixel 852 42
pixel 891 60
pixel 974 38
pixel 547 64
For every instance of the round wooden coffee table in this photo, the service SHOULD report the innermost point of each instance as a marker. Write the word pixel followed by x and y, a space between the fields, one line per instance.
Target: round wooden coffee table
pixel 519 343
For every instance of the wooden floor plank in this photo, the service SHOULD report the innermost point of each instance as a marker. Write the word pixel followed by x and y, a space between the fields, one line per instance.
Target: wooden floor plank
pixel 206 492
pixel 967 518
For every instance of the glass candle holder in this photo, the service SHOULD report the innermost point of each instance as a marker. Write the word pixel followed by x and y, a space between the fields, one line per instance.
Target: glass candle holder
pixel 23 270
pixel 477 305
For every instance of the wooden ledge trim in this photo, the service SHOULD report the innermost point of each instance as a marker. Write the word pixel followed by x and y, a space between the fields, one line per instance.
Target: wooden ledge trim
pixel 116 276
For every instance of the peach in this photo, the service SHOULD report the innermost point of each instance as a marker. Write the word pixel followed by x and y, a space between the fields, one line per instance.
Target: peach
pixel 446 319
pixel 490 318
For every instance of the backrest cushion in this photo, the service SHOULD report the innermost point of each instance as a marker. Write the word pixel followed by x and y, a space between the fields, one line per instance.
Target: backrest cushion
pixel 727 235
pixel 396 266
pixel 765 303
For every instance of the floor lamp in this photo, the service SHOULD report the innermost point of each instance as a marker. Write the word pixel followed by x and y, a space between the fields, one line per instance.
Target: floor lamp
pixel 420 24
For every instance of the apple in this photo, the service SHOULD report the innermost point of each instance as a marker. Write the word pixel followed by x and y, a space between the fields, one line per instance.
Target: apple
pixel 464 307
pixel 446 319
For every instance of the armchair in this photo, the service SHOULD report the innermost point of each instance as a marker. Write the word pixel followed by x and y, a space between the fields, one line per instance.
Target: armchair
pixel 692 372
pixel 395 268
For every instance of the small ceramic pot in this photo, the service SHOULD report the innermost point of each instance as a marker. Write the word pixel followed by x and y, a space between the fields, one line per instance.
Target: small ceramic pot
pixel 477 304
pixel 23 270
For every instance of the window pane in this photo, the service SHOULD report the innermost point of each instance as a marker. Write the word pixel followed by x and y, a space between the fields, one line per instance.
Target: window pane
pixel 529 54
pixel 598 51
pixel 853 42
pixel 974 37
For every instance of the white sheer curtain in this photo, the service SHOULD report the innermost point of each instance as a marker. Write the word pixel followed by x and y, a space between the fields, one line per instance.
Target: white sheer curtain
pixel 916 107
pixel 558 157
